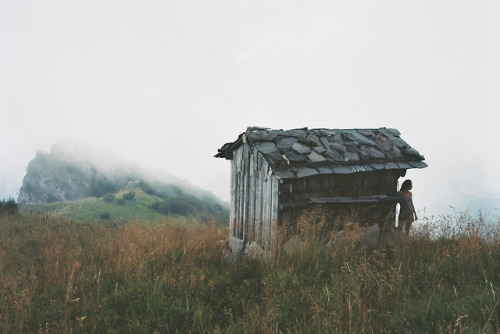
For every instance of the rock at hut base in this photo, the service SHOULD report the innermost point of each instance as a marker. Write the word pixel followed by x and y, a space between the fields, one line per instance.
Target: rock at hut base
pixel 253 250
pixel 354 233
pixel 293 245
pixel 372 234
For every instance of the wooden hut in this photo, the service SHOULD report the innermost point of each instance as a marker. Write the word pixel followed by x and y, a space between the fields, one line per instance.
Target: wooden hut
pixel 276 174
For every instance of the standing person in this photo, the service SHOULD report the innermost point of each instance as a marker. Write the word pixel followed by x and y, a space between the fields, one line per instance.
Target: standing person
pixel 407 213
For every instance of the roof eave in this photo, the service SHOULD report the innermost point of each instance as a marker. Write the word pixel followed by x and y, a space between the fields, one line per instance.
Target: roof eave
pixel 226 151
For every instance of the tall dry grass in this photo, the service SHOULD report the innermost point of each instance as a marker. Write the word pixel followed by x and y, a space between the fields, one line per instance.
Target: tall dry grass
pixel 59 277
pixel 69 269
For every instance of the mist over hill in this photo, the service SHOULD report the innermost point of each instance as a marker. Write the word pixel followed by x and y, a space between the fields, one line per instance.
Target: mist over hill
pixel 72 171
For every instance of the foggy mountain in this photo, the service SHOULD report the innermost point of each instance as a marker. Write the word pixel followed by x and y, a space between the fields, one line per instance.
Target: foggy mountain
pixel 72 171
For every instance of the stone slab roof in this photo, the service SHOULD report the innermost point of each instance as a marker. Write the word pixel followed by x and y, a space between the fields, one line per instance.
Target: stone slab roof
pixel 304 152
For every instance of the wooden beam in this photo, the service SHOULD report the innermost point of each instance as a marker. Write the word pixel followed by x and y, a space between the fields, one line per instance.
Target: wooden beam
pixel 357 199
pixel 340 200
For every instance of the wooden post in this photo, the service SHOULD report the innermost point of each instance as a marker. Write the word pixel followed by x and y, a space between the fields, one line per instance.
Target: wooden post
pixel 251 199
pixel 258 200
pixel 238 194
pixel 266 205
pixel 244 184
pixel 274 210
pixel 232 208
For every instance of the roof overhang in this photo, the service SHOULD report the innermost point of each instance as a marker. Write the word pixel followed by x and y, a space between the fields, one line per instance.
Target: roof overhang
pixel 305 152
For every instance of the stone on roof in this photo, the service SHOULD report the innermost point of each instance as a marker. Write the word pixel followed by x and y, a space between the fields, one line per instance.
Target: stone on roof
pixel 301 148
pixel 359 138
pixel 306 171
pixel 315 157
pixel 304 152
pixel 286 143
pixel 266 147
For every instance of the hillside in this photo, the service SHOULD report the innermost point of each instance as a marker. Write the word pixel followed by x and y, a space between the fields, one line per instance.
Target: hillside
pixel 78 183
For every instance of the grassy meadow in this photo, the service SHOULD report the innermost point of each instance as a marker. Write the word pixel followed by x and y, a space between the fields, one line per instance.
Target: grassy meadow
pixel 116 208
pixel 170 276
pixel 90 209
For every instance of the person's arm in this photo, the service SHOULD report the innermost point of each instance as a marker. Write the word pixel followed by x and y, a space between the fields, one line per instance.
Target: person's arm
pixel 413 208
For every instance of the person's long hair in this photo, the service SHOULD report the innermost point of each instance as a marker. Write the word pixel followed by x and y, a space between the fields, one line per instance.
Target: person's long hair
pixel 406 185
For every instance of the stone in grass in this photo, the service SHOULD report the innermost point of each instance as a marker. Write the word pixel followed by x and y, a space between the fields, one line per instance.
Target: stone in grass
pixel 253 250
pixel 369 234
pixel 293 246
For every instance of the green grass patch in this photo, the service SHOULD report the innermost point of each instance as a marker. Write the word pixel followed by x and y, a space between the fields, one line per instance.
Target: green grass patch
pixel 90 209
pixel 129 203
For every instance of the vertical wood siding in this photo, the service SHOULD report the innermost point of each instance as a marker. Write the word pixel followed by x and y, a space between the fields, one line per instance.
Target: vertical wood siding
pixel 255 194
pixel 232 206
pixel 274 211
pixel 258 199
pixel 251 199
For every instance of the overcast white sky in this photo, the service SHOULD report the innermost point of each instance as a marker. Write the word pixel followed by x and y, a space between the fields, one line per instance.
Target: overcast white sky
pixel 166 83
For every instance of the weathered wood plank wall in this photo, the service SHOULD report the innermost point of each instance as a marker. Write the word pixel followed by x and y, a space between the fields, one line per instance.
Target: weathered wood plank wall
pixel 251 198
pixel 245 172
pixel 258 198
pixel 274 211
pixel 255 194
pixel 233 202
pixel 340 185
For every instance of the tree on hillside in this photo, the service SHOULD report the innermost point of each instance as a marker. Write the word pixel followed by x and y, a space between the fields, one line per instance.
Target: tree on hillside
pixel 101 185
pixel 129 196
pixel 8 206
